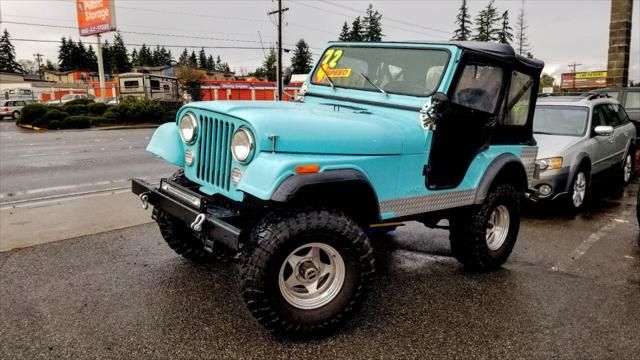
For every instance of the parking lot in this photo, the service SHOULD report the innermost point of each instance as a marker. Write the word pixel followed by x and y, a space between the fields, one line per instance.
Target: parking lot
pixel 570 290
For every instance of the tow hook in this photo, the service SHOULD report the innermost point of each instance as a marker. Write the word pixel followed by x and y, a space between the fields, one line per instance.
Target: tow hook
pixel 144 197
pixel 196 225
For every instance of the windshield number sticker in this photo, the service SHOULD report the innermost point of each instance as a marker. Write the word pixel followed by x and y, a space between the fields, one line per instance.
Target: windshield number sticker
pixel 330 61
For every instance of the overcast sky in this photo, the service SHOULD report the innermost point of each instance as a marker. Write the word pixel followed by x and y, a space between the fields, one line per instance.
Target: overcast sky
pixel 560 31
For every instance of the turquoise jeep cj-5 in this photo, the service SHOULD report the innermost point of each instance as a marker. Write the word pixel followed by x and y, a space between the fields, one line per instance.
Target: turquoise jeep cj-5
pixel 381 133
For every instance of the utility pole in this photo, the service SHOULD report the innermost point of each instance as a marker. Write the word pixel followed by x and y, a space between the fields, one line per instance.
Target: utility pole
pixel 280 11
pixel 39 61
pixel 573 70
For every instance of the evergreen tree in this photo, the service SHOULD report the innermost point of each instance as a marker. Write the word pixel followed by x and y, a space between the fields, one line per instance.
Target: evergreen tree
pixel 156 56
pixel 372 25
pixel 268 68
pixel 219 66
pixel 344 34
pixel 506 32
pixel 64 55
pixel 165 57
pixel 226 68
pixel 119 56
pixel 8 61
pixel 463 20
pixel 355 34
pixel 134 56
pixel 211 64
pixel 184 57
pixel 522 42
pixel 92 59
pixel 301 60
pixel 145 57
pixel 202 59
pixel 193 60
pixel 107 59
pixel 487 23
pixel 78 55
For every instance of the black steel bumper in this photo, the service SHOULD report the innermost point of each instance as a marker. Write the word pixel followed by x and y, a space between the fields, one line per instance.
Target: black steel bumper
pixel 214 228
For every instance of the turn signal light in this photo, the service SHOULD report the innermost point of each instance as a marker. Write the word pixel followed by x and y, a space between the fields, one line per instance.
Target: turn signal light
pixel 307 169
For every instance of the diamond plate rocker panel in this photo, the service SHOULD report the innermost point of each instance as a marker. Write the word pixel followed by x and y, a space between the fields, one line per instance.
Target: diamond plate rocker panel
pixel 427 203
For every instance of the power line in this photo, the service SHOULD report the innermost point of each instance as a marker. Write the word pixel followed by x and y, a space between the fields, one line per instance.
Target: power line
pixel 151 44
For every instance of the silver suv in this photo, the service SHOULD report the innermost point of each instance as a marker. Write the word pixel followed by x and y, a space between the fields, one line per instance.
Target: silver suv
pixel 580 138
pixel 12 108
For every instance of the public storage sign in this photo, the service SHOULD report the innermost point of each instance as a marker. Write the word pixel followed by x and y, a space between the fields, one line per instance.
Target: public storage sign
pixel 96 16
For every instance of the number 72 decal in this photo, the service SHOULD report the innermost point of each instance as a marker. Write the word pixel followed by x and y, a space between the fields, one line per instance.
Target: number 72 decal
pixel 328 65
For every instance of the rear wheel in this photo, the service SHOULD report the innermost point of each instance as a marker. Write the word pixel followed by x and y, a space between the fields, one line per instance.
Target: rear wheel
pixel 306 271
pixel 482 237
pixel 15 115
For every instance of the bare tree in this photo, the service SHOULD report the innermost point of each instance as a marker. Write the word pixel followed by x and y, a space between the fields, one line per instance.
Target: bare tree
pixel 522 42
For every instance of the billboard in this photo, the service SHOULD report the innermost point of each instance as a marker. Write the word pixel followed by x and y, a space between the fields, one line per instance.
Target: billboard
pixel 584 80
pixel 96 16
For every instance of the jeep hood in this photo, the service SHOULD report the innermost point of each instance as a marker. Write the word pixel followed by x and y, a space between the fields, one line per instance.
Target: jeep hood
pixel 554 145
pixel 325 128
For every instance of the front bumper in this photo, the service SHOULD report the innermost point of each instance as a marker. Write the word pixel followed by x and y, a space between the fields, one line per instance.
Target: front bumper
pixel 176 202
pixel 558 180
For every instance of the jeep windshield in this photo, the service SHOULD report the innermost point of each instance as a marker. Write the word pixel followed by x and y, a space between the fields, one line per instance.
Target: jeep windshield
pixel 403 71
pixel 560 120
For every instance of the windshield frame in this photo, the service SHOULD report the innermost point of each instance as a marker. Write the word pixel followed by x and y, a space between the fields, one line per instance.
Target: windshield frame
pixel 374 90
pixel 587 118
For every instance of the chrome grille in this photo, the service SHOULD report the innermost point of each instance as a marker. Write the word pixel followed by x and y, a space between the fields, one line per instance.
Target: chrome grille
pixel 214 154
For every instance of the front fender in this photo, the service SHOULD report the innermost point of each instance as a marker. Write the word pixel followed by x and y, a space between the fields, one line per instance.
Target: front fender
pixel 167 144
pixel 493 171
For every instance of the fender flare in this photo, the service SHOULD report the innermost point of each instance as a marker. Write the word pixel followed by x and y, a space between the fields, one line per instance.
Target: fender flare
pixel 574 167
pixel 497 165
pixel 297 183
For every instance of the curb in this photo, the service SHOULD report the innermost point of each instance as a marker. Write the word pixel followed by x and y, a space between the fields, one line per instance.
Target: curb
pixel 31 127
pixel 121 127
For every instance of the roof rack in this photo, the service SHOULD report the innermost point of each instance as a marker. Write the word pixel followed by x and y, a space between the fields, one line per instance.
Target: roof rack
pixel 587 95
pixel 593 96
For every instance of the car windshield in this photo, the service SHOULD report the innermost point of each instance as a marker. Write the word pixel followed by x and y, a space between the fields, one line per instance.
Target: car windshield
pixel 415 72
pixel 67 97
pixel 560 120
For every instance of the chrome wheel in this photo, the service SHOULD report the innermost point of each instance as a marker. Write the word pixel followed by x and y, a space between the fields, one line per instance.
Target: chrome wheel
pixel 628 168
pixel 579 189
pixel 497 227
pixel 311 276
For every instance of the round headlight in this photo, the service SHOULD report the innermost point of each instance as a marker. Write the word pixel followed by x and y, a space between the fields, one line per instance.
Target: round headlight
pixel 242 145
pixel 188 127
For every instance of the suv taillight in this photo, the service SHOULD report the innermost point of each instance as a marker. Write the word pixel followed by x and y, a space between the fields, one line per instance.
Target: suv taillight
pixel 5 109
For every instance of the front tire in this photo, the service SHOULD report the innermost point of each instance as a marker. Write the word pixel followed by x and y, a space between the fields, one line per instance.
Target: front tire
pixel 626 173
pixel 306 271
pixel 579 190
pixel 482 237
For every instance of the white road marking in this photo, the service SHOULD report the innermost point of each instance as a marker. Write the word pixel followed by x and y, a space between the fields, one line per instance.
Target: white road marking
pixel 582 249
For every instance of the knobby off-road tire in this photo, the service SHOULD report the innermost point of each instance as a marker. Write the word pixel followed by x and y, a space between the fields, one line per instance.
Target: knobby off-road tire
pixel 179 235
pixel 281 248
pixel 470 230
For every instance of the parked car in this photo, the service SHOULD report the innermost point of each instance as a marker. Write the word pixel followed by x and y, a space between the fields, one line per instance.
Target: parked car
pixel 580 139
pixel 12 108
pixel 384 133
pixel 629 97
pixel 70 97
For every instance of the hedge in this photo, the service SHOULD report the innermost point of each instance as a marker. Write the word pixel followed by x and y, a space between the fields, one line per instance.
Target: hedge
pixel 31 113
pixel 83 113
pixel 78 109
pixel 97 108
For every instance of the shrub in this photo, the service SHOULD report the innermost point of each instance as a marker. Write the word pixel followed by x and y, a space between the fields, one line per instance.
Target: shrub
pixel 76 109
pixel 54 125
pixel 97 108
pixel 49 116
pixel 31 113
pixel 78 102
pixel 76 122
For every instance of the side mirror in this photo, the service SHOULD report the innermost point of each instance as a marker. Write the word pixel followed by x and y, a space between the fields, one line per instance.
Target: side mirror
pixel 603 130
pixel 286 75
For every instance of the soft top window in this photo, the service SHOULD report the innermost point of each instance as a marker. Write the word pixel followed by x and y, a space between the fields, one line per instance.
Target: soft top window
pixel 479 87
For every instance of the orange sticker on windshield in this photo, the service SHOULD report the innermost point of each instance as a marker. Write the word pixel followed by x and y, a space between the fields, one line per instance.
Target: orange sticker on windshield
pixel 330 61
pixel 338 73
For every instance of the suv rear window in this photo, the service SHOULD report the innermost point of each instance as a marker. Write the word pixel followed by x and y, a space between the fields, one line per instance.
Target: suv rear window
pixel 633 100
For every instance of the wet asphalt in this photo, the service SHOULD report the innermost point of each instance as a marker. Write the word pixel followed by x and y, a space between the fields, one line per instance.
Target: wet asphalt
pixel 571 290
